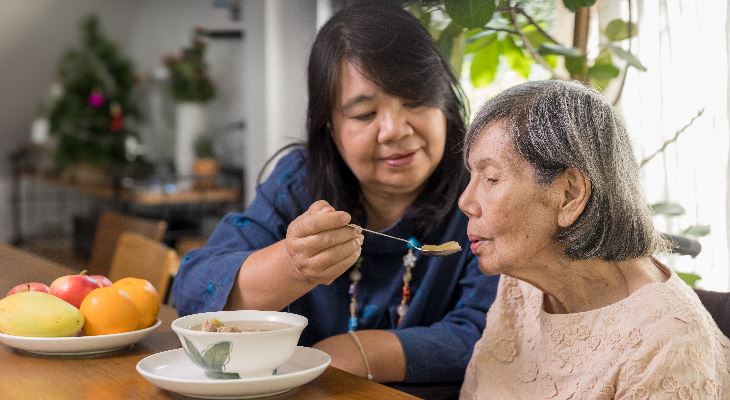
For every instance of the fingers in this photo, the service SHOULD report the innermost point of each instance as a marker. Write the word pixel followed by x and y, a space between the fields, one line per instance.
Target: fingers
pixel 335 266
pixel 320 244
pixel 326 240
pixel 320 217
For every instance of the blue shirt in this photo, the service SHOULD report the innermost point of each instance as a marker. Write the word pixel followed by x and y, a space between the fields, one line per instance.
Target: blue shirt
pixel 449 295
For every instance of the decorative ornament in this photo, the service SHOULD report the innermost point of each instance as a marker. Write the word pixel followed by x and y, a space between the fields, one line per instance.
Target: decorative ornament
pixel 96 98
pixel 117 122
pixel 409 262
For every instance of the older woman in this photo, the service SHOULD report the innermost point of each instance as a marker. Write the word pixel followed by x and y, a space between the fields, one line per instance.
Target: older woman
pixel 583 310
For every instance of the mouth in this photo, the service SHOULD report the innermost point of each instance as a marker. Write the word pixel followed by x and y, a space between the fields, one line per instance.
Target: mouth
pixel 476 242
pixel 400 159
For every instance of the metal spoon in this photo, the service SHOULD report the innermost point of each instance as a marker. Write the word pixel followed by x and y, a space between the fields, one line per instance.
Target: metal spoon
pixel 427 249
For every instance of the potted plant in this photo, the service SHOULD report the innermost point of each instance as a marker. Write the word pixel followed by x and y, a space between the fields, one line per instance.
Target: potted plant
pixel 205 167
pixel 192 89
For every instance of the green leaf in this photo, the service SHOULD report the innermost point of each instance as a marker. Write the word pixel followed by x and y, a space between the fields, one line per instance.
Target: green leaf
pixel 516 58
pixel 536 38
pixel 478 42
pixel 552 48
pixel 574 5
pixel 618 29
pixel 193 353
pixel 451 43
pixel 484 65
pixel 216 356
pixel 697 230
pixel 670 209
pixel 600 84
pixel 688 278
pixel 551 60
pixel 603 71
pixel 470 13
pixel 629 58
pixel 576 66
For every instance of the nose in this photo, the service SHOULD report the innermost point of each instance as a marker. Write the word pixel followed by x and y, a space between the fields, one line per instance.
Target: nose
pixel 467 202
pixel 393 125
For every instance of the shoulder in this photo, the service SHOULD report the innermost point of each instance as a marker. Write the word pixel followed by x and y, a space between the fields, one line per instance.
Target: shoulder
pixel 290 165
pixel 675 343
pixel 290 172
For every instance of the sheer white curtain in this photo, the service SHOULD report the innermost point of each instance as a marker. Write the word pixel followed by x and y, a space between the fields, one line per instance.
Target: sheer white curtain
pixel 684 45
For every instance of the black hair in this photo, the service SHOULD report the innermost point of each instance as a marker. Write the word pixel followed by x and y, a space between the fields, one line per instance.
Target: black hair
pixel 393 50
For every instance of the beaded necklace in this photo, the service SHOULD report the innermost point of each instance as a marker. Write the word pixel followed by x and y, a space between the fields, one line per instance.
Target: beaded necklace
pixel 409 261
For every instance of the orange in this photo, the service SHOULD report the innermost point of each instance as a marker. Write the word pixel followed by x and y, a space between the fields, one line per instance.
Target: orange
pixel 108 310
pixel 144 296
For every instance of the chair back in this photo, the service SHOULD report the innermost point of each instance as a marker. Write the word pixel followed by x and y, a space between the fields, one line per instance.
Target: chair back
pixel 110 227
pixel 718 305
pixel 140 257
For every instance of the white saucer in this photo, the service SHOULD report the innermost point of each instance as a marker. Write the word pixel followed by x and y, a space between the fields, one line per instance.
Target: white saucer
pixel 172 370
pixel 76 345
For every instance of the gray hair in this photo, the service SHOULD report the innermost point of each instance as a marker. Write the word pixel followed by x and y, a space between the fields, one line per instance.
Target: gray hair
pixel 555 125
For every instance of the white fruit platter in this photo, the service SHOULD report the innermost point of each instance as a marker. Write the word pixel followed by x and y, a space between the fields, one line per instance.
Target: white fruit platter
pixel 76 345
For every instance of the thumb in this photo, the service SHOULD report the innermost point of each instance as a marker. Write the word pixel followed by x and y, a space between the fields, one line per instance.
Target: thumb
pixel 320 207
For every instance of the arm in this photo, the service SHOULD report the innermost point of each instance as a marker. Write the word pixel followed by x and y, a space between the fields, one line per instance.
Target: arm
pixel 436 353
pixel 382 349
pixel 440 352
pixel 317 249
pixel 248 251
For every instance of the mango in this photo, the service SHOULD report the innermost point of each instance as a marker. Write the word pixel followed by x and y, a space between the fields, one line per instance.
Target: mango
pixel 39 314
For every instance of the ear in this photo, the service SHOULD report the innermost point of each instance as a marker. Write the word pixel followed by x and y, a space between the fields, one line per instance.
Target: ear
pixel 575 189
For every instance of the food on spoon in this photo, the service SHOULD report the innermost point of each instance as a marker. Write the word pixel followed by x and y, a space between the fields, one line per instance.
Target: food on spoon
pixel 445 248
pixel 38 314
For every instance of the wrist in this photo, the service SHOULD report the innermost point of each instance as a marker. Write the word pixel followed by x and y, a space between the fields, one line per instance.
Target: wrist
pixel 361 349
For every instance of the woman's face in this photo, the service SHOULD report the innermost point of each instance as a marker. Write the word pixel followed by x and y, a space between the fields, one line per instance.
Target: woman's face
pixel 391 144
pixel 511 220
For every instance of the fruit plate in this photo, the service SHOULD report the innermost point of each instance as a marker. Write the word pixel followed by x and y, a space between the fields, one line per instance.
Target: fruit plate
pixel 76 345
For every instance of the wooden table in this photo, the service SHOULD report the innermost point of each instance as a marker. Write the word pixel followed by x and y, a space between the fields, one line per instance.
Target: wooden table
pixel 113 375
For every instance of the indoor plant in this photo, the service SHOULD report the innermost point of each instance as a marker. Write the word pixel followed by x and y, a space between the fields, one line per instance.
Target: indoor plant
pixel 192 89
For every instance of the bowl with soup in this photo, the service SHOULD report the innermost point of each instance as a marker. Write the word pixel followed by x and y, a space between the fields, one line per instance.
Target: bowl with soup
pixel 239 344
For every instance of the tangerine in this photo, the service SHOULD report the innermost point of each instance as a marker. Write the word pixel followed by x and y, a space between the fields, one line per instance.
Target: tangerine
pixel 108 310
pixel 144 296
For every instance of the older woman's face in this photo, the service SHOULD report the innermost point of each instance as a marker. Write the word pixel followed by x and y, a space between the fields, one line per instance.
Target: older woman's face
pixel 511 221
pixel 391 144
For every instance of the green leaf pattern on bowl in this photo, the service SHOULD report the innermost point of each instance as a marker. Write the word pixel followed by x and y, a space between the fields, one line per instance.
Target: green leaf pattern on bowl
pixel 212 358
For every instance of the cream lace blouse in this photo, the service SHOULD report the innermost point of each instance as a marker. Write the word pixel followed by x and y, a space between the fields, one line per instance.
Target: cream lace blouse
pixel 658 343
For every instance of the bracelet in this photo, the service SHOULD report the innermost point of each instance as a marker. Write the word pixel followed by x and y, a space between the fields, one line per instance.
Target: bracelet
pixel 362 353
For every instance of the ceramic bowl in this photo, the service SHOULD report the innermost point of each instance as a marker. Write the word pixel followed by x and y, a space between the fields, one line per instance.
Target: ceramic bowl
pixel 231 355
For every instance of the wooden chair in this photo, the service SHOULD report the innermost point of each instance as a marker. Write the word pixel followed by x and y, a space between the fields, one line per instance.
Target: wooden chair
pixel 110 227
pixel 140 257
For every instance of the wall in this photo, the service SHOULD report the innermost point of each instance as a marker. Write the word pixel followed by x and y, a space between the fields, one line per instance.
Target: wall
pixel 279 34
pixel 34 35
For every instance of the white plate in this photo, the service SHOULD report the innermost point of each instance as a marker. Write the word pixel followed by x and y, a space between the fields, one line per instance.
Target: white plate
pixel 76 345
pixel 172 370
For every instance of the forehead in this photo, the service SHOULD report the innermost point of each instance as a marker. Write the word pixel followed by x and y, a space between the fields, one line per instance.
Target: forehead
pixel 351 81
pixel 494 143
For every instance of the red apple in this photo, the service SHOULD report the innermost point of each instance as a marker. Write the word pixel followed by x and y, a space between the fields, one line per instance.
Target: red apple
pixel 29 287
pixel 73 288
pixel 102 280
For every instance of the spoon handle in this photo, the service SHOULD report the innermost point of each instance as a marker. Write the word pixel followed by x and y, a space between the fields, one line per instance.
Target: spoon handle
pixel 382 234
